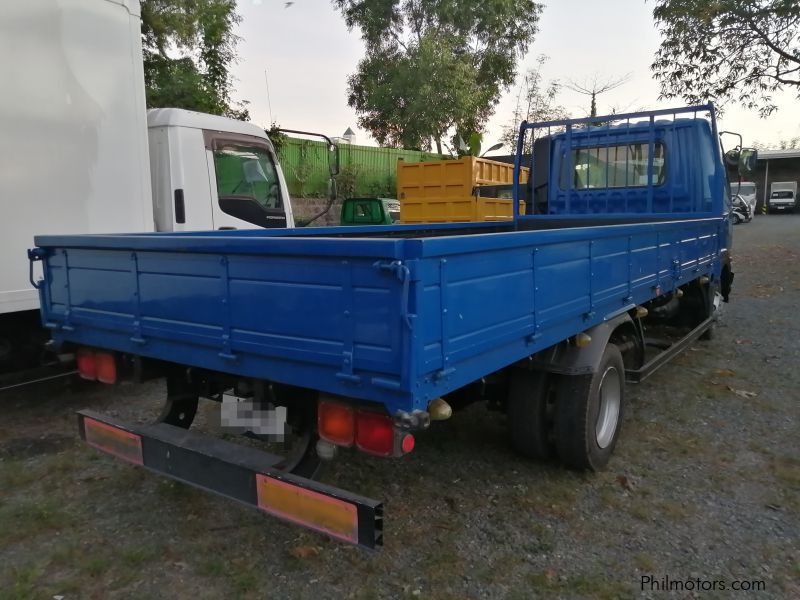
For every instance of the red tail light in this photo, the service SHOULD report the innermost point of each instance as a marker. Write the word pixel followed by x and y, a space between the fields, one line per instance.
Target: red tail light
pixel 87 368
pixel 374 433
pixel 97 366
pixel 335 423
pixel 370 431
pixel 106 366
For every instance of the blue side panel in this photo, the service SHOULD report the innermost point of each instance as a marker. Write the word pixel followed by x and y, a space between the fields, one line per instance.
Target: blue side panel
pixel 427 316
pixel 483 308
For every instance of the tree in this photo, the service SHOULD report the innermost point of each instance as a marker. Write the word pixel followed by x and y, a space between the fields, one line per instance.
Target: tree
pixel 740 50
pixel 434 68
pixel 200 32
pixel 536 102
pixel 595 86
pixel 786 144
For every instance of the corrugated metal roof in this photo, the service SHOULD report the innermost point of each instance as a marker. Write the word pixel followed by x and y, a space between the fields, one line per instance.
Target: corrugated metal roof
pixel 773 154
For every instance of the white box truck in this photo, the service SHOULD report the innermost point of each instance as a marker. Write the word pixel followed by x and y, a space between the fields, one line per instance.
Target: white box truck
pixel 79 153
pixel 782 196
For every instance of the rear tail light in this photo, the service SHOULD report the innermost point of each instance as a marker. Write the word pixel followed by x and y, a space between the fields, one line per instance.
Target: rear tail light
pixel 97 366
pixel 335 423
pixel 370 431
pixel 374 433
pixel 87 368
pixel 106 366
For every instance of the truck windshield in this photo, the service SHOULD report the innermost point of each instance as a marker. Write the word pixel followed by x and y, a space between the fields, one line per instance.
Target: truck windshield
pixel 247 171
pixel 782 195
pixel 744 189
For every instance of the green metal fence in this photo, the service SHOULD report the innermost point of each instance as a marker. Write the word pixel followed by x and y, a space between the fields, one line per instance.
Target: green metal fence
pixel 363 170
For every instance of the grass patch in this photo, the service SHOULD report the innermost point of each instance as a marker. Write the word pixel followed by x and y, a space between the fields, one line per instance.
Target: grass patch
pixel 22 583
pixel 136 556
pixel 28 519
pixel 94 566
pixel 645 563
pixel 787 470
pixel 15 474
pixel 590 586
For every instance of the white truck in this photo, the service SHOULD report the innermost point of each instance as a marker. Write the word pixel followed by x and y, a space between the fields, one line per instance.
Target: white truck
pixel 81 154
pixel 782 196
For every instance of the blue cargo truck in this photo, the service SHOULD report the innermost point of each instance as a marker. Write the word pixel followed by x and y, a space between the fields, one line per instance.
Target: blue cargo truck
pixel 361 336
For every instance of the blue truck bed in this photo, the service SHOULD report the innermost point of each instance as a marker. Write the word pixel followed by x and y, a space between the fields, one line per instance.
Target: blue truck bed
pixel 395 315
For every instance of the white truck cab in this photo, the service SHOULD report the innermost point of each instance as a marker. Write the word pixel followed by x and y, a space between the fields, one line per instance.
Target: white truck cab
pixel 210 172
pixel 782 196
pixel 747 190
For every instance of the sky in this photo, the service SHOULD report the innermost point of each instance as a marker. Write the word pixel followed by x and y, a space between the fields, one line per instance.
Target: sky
pixel 307 54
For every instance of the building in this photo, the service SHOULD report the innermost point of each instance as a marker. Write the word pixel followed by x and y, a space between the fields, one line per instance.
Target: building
pixel 773 165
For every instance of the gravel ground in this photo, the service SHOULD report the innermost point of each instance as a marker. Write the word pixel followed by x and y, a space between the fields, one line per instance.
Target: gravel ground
pixel 704 486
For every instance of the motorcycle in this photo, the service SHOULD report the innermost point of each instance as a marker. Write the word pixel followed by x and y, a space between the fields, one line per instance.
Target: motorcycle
pixel 741 211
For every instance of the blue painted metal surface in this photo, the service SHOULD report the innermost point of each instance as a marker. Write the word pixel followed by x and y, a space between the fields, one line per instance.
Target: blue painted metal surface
pixel 396 315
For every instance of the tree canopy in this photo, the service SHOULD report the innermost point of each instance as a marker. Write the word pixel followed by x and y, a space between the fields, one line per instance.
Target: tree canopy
pixel 536 102
pixel 434 68
pixel 188 48
pixel 723 50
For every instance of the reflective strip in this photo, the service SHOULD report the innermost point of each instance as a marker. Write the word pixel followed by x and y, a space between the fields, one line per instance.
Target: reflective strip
pixel 306 507
pixel 122 444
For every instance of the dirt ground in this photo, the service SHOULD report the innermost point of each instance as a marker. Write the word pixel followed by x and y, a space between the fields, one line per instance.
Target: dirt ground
pixel 704 488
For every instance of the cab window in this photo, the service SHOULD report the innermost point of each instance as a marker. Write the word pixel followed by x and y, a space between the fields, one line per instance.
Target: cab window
pixel 615 166
pixel 247 172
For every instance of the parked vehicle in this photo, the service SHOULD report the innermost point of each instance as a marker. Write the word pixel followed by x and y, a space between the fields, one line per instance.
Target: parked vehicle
pixel 747 190
pixel 81 154
pixel 361 336
pixel 783 196
pixel 740 210
pixel 370 211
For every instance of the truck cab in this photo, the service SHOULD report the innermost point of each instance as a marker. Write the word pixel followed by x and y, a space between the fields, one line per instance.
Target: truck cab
pixel 210 172
pixel 747 191
pixel 783 196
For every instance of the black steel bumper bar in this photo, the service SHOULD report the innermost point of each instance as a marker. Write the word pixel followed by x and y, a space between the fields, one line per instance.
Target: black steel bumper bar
pixel 237 472
pixel 639 375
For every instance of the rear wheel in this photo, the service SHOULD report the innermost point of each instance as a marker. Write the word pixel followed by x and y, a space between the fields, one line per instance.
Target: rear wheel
pixel 530 413
pixel 589 413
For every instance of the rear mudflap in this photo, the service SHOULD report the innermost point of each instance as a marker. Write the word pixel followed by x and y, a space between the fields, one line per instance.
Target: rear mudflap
pixel 240 473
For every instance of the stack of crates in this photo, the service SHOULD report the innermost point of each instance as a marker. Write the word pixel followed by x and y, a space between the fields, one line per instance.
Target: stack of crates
pixel 444 191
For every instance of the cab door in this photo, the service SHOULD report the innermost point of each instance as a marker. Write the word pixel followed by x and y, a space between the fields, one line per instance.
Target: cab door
pixel 245 183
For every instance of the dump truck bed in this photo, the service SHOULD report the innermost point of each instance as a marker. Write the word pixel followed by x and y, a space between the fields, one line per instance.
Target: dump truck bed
pixel 396 315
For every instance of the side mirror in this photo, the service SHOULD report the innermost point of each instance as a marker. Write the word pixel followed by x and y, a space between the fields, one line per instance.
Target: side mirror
pixel 748 159
pixel 732 158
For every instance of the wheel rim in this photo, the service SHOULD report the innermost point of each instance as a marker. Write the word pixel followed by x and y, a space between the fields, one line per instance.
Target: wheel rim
pixel 608 413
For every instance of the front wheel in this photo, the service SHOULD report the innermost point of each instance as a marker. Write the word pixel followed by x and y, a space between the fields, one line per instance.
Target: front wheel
pixel 589 410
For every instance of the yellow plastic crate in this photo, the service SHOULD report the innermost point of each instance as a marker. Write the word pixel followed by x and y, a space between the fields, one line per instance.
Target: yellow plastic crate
pixel 442 191
pixel 451 178
pixel 456 210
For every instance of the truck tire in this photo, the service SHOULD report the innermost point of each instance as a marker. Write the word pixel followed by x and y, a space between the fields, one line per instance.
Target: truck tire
pixel 528 415
pixel 589 410
pixel 712 302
